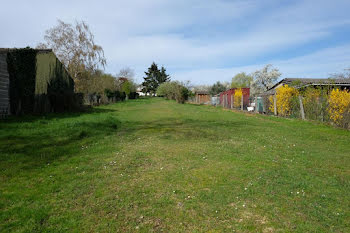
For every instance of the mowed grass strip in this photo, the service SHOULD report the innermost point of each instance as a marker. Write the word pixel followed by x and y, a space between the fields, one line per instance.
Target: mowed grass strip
pixel 155 165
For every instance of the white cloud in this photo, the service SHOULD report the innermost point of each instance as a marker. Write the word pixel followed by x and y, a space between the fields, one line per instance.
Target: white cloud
pixel 192 38
pixel 319 64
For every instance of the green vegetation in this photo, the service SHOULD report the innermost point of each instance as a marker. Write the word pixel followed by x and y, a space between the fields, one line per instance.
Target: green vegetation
pixel 154 165
pixel 154 77
pixel 21 68
pixel 174 90
pixel 217 88
pixel 241 80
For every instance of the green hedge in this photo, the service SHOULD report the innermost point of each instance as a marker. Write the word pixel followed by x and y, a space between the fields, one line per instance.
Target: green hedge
pixel 39 83
pixel 21 64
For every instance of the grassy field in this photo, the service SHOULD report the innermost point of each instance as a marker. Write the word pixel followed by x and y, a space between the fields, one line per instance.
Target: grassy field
pixel 154 165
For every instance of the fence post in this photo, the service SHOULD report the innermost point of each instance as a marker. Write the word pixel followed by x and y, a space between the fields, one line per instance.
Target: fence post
pixel 256 104
pixel 231 101
pixel 274 105
pixel 225 100
pixel 302 113
pixel 242 102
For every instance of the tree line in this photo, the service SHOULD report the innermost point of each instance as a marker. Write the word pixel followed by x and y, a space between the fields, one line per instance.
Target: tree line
pixel 259 81
pixel 75 46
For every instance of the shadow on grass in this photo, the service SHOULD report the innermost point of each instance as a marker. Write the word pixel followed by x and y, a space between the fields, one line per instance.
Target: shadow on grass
pixel 188 129
pixel 31 145
pixel 32 141
pixel 50 116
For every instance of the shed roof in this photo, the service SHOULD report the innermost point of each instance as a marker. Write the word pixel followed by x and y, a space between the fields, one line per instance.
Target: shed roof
pixel 6 50
pixel 202 92
pixel 312 81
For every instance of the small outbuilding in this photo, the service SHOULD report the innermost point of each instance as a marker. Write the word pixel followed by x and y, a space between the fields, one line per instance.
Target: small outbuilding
pixel 227 98
pixel 299 83
pixel 202 97
pixel 34 81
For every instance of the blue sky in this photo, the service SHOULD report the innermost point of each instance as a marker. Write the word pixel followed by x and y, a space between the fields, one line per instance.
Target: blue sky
pixel 198 40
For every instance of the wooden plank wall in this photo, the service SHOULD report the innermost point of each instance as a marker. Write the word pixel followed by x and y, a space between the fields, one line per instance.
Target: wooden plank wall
pixel 4 86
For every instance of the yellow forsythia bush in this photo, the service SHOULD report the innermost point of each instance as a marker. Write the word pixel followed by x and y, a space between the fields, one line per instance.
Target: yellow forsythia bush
pixel 284 97
pixel 339 104
pixel 311 103
pixel 271 107
pixel 237 98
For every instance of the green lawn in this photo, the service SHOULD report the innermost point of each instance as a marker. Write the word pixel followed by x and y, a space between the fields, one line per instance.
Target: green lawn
pixel 155 165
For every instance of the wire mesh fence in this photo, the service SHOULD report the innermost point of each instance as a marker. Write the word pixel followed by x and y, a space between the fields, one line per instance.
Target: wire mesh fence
pixel 324 105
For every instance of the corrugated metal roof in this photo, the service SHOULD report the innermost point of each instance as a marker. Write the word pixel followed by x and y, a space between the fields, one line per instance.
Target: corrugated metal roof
pixel 202 92
pixel 6 50
pixel 311 81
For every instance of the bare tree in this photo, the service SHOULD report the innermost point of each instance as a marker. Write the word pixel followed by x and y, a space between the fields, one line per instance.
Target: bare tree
pixel 126 72
pixel 343 75
pixel 74 45
pixel 264 79
pixel 201 88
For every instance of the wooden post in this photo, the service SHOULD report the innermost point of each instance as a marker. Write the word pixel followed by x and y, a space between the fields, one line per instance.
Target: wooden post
pixel 231 101
pixel 224 100
pixel 227 101
pixel 302 113
pixel 274 105
pixel 256 104
pixel 242 102
pixel 263 104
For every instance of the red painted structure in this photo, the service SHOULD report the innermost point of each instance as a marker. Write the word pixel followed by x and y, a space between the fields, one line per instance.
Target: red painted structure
pixel 225 97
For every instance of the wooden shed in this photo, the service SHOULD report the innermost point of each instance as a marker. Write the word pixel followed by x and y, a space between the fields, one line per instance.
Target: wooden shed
pixel 202 97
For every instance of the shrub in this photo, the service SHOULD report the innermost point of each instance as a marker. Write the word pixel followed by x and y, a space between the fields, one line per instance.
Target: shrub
pixel 237 98
pixel 267 102
pixel 173 90
pixel 310 101
pixel 284 100
pixel 133 95
pixel 339 107
pixel 315 103
pixel 109 93
pixel 126 88
pixel 167 90
pixel 182 94
pixel 295 107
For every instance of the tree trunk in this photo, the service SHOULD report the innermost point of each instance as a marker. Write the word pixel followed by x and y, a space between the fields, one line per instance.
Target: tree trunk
pixel 302 113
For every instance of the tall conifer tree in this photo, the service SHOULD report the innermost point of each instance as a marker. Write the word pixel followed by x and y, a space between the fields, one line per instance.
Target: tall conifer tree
pixel 154 77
